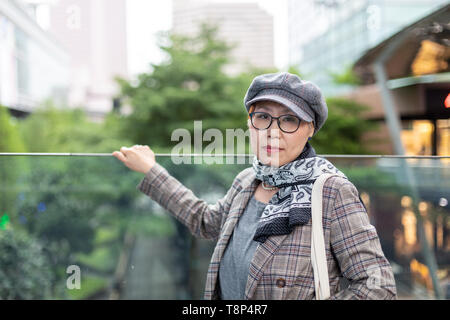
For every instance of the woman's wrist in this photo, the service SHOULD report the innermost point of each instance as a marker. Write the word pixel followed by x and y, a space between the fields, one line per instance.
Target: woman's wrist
pixel 148 168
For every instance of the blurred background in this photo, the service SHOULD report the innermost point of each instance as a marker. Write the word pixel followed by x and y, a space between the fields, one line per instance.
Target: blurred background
pixel 90 76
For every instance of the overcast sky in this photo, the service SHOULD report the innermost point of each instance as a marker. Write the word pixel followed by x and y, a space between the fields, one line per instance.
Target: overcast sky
pixel 146 18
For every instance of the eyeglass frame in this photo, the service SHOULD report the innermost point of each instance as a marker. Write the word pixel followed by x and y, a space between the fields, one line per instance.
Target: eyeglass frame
pixel 278 120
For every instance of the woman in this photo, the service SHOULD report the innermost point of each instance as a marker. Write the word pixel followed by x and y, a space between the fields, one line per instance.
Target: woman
pixel 263 224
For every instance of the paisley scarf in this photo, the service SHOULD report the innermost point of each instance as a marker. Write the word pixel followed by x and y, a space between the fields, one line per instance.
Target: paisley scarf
pixel 291 205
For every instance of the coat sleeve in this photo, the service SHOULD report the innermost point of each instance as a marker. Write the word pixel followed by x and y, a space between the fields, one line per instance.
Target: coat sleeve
pixel 202 219
pixel 357 248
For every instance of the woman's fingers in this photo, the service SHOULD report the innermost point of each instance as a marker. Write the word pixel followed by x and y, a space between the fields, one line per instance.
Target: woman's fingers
pixel 119 155
pixel 124 150
pixel 122 154
pixel 138 158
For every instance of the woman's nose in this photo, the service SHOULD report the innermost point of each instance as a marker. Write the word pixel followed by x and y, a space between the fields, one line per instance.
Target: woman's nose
pixel 274 129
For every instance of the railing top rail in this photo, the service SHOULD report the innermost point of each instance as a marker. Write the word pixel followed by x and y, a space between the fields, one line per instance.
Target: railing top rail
pixel 219 155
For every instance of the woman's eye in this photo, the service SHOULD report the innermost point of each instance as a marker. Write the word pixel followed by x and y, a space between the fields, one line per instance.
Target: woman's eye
pixel 262 116
pixel 289 119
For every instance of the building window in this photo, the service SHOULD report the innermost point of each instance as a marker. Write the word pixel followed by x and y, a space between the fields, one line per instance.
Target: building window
pixel 443 138
pixel 417 137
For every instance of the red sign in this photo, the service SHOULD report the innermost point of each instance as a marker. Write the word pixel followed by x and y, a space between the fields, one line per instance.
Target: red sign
pixel 447 101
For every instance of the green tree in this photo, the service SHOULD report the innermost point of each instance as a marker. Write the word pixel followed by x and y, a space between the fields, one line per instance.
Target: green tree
pixel 65 200
pixel 24 269
pixel 10 141
pixel 346 77
pixel 10 138
pixel 344 128
pixel 190 85
pixel 52 129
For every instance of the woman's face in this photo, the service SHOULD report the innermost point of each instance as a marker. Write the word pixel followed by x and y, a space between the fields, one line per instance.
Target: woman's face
pixel 284 147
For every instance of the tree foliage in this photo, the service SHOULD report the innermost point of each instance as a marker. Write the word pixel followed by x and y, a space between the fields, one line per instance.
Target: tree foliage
pixel 24 272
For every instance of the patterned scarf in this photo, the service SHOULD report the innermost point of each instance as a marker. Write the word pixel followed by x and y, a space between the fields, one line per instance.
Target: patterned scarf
pixel 291 205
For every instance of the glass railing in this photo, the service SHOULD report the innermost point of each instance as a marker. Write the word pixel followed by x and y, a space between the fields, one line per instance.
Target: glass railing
pixel 75 227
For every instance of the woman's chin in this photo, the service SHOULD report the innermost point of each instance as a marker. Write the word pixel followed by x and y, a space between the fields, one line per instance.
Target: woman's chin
pixel 272 159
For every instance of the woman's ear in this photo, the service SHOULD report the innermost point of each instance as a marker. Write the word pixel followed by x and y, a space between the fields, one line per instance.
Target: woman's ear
pixel 311 129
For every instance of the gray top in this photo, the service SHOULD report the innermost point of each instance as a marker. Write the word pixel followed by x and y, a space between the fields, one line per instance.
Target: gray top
pixel 235 263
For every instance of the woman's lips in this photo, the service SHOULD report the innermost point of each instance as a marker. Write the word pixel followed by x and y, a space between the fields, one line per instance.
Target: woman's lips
pixel 273 149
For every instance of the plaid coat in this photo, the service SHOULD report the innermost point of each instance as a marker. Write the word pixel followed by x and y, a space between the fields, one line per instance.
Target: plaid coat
pixel 281 267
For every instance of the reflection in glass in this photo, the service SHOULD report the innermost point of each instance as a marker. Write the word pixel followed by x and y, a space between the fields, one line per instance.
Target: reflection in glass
pixel 57 212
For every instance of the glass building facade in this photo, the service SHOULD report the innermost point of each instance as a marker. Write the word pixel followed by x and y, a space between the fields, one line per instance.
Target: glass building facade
pixel 33 67
pixel 327 37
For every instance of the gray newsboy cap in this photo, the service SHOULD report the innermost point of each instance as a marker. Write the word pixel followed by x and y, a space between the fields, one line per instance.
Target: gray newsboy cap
pixel 302 97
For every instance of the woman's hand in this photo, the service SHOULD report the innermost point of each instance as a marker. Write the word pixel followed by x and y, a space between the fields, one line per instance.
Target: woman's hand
pixel 138 158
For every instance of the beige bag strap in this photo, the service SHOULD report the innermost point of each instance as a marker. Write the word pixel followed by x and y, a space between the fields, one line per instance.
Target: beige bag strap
pixel 318 254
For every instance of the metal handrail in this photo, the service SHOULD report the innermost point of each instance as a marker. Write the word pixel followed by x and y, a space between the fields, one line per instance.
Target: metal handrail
pixel 217 155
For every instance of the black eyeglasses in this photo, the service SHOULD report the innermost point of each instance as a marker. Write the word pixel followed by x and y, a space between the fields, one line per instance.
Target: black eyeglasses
pixel 287 122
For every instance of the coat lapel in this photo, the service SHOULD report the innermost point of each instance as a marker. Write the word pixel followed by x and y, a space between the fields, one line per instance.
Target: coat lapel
pixel 264 251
